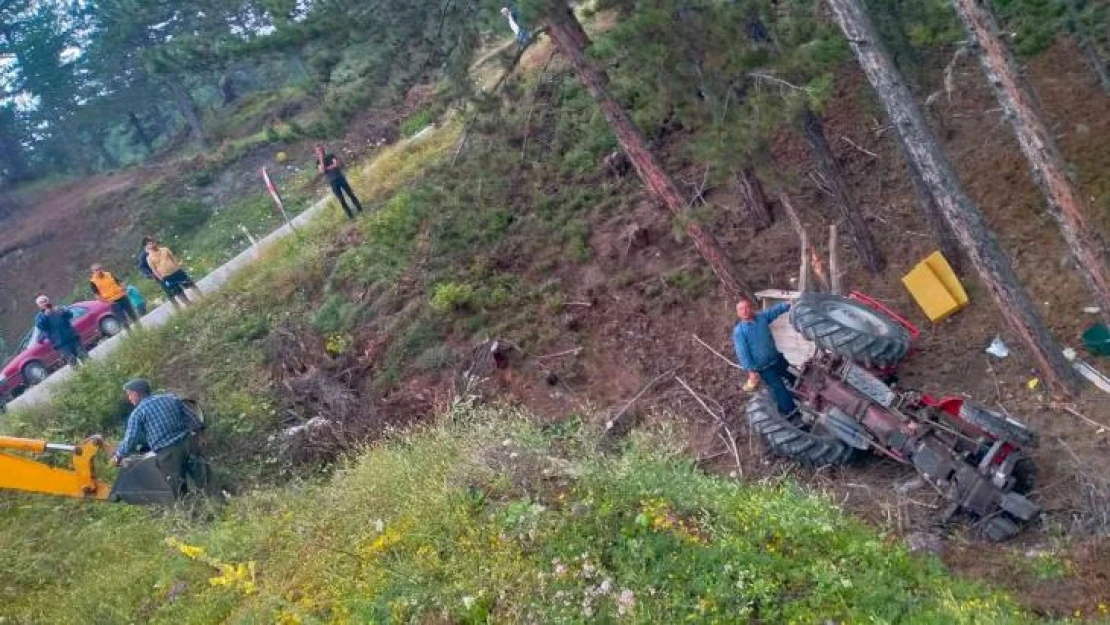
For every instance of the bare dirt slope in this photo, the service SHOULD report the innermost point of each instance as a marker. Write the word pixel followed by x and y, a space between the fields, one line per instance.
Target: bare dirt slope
pixel 48 238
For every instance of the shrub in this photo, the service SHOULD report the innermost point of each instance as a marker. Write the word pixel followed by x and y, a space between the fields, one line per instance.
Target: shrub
pixel 434 358
pixel 452 296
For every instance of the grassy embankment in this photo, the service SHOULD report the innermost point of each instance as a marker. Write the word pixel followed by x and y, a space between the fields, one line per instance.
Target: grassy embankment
pixel 480 516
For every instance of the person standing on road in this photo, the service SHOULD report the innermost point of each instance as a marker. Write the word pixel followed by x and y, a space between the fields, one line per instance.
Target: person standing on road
pixel 760 357
pixel 167 426
pixel 144 268
pixel 55 325
pixel 165 266
pixel 108 289
pixel 137 299
pixel 332 168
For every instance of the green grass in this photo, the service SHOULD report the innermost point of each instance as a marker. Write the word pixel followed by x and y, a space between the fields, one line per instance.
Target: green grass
pixel 419 121
pixel 482 518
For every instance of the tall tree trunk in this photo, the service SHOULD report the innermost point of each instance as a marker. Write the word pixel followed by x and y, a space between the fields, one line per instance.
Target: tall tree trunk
pixel 942 232
pixel 865 244
pixel 566 38
pixel 188 109
pixel 980 243
pixel 1066 203
pixel 574 28
pixel 754 200
pixel 140 133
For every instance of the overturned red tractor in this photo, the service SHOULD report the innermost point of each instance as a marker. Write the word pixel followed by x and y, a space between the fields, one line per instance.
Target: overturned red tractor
pixel 848 403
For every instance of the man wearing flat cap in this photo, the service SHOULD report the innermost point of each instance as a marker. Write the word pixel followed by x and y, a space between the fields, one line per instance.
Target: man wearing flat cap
pixel 167 426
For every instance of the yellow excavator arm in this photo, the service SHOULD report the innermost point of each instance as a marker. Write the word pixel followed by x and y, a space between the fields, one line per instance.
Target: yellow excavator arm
pixel 21 473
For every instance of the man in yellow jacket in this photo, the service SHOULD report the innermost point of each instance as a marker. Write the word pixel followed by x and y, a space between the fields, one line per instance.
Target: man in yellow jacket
pixel 108 289
pixel 167 269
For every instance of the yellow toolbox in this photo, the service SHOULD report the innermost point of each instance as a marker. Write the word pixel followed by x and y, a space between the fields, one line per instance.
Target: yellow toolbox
pixel 936 288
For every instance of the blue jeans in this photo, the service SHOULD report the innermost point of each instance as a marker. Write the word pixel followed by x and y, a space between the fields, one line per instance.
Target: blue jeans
pixel 777 377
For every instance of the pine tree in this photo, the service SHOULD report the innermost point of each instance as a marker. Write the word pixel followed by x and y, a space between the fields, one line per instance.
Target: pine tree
pixel 567 33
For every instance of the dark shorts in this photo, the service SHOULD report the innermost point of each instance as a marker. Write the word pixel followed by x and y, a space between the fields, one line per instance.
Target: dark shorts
pixel 177 282
pixel 124 310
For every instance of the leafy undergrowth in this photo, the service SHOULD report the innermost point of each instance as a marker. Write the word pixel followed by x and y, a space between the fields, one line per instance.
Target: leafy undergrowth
pixel 482 518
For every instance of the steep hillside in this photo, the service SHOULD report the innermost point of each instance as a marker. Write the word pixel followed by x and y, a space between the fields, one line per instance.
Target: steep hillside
pixel 485 518
pixel 503 224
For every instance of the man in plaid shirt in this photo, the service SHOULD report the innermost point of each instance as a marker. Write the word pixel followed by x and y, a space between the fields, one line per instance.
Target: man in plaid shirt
pixel 164 424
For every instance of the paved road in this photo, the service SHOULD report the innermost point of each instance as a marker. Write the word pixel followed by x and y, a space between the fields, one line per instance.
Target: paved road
pixel 209 284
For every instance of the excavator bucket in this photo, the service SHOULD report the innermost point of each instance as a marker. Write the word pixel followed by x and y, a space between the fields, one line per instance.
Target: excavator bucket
pixel 142 483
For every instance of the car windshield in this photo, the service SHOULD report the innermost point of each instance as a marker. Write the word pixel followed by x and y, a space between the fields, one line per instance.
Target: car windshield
pixel 31 334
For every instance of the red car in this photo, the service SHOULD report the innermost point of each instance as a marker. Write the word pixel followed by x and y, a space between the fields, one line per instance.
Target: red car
pixel 93 321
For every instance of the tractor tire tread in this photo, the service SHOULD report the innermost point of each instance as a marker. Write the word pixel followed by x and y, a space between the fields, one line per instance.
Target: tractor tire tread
pixel 880 349
pixel 785 438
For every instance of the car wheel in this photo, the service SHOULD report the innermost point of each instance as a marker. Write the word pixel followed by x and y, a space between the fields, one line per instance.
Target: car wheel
pixel 110 326
pixel 34 372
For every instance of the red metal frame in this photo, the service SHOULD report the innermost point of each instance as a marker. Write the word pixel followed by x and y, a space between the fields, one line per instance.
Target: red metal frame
pixel 871 302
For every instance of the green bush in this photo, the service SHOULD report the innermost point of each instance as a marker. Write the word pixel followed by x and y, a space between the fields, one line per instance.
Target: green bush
pixel 452 296
pixel 435 358
pixel 391 234
pixel 418 336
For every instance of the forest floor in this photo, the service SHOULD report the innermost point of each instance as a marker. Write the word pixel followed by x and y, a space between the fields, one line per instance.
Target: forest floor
pixel 628 312
pixel 639 324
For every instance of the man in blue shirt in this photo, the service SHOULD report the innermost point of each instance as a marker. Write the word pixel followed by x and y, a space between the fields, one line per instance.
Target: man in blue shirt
pixel 55 325
pixel 166 425
pixel 758 355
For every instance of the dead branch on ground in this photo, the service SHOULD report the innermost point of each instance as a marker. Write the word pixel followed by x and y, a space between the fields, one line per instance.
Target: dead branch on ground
pixel 730 440
pixel 715 352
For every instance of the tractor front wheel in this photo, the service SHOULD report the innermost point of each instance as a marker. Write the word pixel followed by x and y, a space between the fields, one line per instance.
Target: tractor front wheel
pixel 789 439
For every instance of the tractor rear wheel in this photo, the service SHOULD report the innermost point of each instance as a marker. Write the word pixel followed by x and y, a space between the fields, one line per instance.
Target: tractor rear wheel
pixel 850 329
pixel 787 438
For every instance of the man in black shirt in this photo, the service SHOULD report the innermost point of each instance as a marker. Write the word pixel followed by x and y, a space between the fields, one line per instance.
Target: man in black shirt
pixel 329 165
